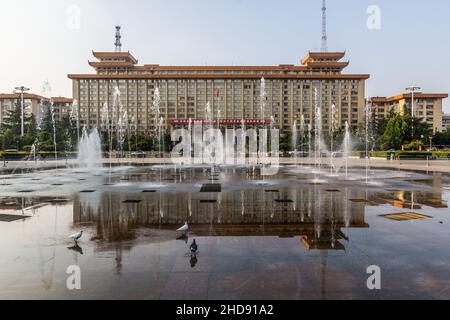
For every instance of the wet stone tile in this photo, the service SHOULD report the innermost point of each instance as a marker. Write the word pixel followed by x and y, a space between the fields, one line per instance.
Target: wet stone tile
pixel 186 286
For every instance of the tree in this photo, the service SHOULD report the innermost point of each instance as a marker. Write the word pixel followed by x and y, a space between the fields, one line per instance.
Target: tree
pixel 12 123
pixel 286 142
pixel 414 145
pixel 379 127
pixel 396 132
pixel 30 134
pixel 67 133
pixel 442 138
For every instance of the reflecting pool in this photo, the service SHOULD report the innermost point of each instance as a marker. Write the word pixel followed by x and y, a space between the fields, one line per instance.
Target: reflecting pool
pixel 289 236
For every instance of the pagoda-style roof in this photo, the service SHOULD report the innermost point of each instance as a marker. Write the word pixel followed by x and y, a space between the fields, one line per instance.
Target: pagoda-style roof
pixel 326 63
pixel 111 64
pixel 115 55
pixel 329 56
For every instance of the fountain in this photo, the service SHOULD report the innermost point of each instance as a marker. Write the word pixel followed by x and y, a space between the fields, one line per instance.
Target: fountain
pixel 317 133
pixel 122 120
pixel 89 150
pixel 263 98
pixel 47 93
pixel 368 115
pixel 332 129
pixel 302 132
pixel 346 147
pixel 295 141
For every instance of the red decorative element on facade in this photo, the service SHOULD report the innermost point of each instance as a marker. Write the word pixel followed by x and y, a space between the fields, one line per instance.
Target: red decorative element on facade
pixel 221 121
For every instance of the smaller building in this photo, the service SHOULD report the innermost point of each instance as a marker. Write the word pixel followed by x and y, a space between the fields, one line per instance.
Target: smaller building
pixel 33 104
pixel 427 106
pixel 62 106
pixel 445 122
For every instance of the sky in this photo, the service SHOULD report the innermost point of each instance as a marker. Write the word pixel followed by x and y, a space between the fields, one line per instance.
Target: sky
pixel 405 44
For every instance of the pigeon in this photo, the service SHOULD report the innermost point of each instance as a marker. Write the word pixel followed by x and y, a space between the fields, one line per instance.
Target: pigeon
pixel 76 236
pixel 193 247
pixel 184 228
pixel 193 261
pixel 76 248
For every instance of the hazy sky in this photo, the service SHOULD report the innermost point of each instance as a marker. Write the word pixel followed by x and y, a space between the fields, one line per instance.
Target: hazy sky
pixel 44 40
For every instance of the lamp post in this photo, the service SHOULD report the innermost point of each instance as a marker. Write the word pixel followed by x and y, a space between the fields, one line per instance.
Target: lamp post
pixel 413 89
pixel 22 89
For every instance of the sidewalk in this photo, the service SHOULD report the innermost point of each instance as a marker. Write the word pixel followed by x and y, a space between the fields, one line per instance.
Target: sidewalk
pixel 413 165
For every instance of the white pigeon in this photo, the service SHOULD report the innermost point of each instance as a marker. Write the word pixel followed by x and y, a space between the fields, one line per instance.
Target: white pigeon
pixel 184 228
pixel 76 236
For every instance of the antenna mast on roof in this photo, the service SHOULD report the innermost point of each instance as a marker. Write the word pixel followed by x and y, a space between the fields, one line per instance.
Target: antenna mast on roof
pixel 118 44
pixel 324 28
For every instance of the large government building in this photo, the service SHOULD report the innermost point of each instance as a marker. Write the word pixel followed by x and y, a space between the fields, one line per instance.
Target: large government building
pixel 234 92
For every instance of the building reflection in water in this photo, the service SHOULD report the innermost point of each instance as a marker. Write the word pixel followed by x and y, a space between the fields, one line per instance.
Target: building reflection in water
pixel 315 215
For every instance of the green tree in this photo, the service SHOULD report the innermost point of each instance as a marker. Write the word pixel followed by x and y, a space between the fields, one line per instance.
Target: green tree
pixel 286 142
pixel 442 138
pixel 46 132
pixel 12 123
pixel 30 133
pixel 421 131
pixel 396 133
pixel 67 134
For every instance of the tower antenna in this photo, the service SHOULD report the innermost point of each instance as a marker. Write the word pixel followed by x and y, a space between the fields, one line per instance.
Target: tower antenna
pixel 118 44
pixel 324 28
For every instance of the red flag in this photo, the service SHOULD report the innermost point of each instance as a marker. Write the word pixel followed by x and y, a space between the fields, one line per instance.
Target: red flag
pixel 217 93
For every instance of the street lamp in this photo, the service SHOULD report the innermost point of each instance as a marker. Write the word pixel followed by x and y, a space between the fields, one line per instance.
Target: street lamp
pixel 22 89
pixel 413 89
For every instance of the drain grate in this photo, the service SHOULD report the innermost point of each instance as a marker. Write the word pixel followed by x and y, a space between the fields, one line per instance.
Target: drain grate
pixel 149 191
pixel 26 191
pixel 332 190
pixel 406 216
pixel 58 200
pixel 359 200
pixel 213 187
pixel 272 191
pixel 132 201
pixel 11 217
pixel 87 191
pixel 57 184
pixel 284 200
pixel 208 201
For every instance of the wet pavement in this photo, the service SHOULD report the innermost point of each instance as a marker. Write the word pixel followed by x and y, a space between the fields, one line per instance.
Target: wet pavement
pixel 300 234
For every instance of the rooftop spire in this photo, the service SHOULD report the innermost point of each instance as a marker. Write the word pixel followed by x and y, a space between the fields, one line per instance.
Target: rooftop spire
pixel 324 28
pixel 118 44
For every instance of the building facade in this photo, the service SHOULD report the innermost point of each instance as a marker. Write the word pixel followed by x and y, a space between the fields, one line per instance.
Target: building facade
pixel 62 107
pixel 234 92
pixel 445 122
pixel 31 102
pixel 34 104
pixel 427 106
